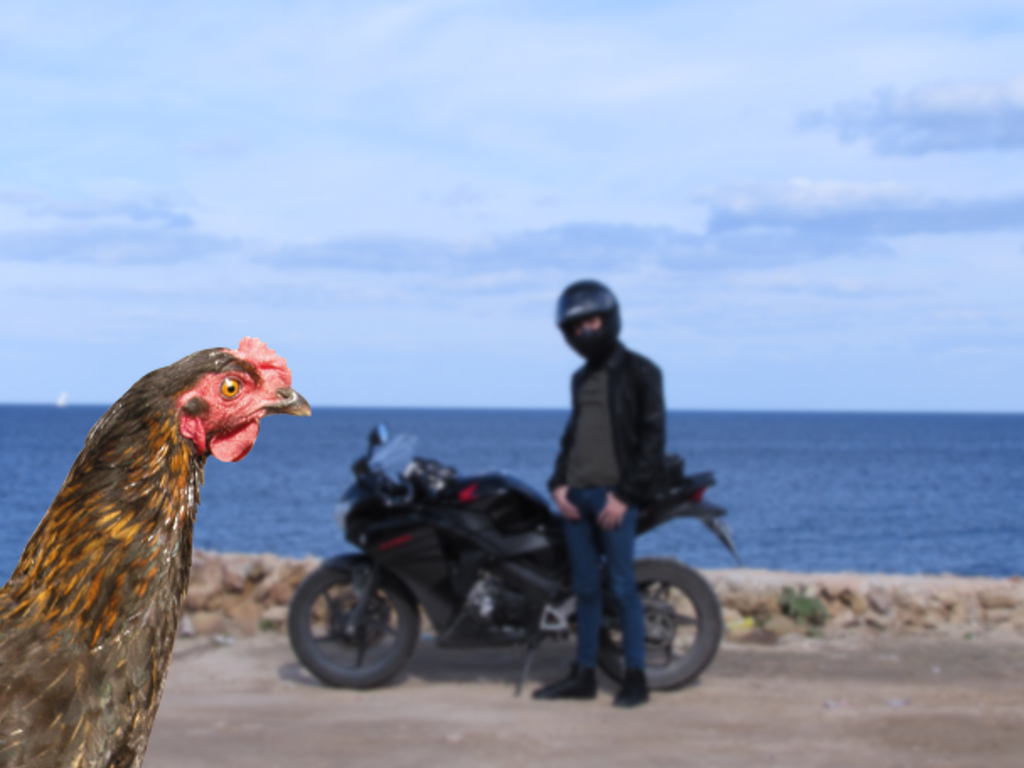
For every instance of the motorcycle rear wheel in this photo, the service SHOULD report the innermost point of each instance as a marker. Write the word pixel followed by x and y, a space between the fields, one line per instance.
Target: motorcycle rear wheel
pixel 682 620
pixel 351 657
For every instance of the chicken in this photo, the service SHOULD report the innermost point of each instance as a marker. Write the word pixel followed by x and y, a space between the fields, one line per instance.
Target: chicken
pixel 88 618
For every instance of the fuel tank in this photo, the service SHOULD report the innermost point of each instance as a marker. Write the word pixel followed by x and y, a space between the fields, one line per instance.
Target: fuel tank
pixel 511 505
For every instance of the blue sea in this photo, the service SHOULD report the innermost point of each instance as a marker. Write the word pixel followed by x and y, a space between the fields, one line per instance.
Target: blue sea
pixel 807 492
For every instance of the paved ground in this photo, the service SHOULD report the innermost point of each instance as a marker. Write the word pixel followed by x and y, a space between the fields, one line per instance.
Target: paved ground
pixel 835 703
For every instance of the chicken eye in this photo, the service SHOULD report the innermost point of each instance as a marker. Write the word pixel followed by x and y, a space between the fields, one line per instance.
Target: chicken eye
pixel 230 387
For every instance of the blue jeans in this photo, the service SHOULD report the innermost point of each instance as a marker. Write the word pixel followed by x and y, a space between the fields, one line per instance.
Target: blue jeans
pixel 586 540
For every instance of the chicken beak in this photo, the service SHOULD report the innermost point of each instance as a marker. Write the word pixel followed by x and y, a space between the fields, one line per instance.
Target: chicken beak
pixel 290 402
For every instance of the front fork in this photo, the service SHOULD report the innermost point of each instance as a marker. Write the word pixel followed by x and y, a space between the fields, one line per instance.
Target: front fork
pixel 364 583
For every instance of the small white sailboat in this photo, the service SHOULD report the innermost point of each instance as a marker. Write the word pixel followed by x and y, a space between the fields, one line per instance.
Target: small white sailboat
pixel 62 400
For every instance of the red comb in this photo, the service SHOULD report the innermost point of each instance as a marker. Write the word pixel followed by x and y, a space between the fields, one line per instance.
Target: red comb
pixel 263 357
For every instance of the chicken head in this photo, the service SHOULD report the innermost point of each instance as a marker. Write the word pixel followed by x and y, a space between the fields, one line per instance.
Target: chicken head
pixel 221 413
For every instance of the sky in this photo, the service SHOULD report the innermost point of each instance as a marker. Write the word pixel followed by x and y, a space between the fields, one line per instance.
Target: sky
pixel 801 206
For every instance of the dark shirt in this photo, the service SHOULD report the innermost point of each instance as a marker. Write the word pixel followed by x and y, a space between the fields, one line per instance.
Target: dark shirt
pixel 637 410
pixel 592 459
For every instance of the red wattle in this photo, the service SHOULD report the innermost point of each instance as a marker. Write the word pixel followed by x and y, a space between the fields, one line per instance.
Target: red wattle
pixel 233 446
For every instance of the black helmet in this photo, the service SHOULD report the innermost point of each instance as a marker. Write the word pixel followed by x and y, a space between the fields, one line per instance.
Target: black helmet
pixel 586 299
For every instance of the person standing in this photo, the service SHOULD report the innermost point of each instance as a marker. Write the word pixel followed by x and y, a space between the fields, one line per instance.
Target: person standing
pixel 612 450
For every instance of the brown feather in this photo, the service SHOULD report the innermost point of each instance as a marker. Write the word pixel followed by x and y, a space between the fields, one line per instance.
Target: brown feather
pixel 88 618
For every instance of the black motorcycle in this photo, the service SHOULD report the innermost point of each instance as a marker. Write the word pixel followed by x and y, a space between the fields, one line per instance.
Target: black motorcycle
pixel 485 558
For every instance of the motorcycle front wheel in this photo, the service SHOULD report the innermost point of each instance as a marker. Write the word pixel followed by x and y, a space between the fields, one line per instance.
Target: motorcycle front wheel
pixel 344 653
pixel 682 625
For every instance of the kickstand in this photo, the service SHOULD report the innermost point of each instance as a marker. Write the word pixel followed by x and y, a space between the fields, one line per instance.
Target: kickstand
pixel 531 649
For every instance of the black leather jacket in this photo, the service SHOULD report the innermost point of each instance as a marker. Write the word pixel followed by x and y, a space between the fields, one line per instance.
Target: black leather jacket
pixel 638 424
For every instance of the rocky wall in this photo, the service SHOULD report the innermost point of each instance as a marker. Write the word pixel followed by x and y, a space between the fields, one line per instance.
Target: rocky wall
pixel 231 594
pixel 240 594
pixel 757 600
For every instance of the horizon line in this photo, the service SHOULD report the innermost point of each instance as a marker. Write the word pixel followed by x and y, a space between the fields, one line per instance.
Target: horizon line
pixel 566 409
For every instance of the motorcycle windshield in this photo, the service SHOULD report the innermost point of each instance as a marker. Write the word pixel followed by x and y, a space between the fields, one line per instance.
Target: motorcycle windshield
pixel 391 458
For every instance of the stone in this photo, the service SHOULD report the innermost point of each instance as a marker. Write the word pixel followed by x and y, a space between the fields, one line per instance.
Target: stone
pixel 235 577
pixel 880 599
pixel 241 569
pixel 831 589
pixel 857 602
pixel 780 625
pixel 833 606
pixel 245 614
pixel 880 620
pixel 762 601
pixel 281 593
pixel 997 598
pixel 243 609
pixel 200 595
pixel 681 602
pixel 911 599
pixel 957 613
pixel 293 573
pixel 275 615
pixel 208 623
pixel 731 615
pixel 726 592
pixel 999 615
pixel 974 610
pixel 206 579
pixel 215 602
pixel 846 617
pixel 256 569
pixel 730 595
pixel 262 590
pixel 836 584
pixel 910 622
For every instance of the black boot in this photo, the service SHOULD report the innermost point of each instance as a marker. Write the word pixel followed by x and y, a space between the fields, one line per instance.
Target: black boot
pixel 580 684
pixel 634 689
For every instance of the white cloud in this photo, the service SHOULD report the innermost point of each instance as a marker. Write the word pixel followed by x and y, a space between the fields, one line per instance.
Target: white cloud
pixel 748 228
pixel 153 210
pixel 860 212
pixel 938 118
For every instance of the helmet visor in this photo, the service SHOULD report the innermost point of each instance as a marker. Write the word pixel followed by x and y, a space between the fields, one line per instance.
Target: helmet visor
pixel 582 301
